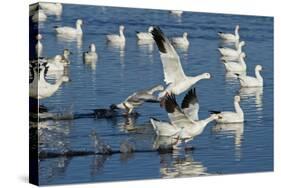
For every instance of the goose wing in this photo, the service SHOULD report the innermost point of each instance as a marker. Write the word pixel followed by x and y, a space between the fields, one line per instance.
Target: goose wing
pixel 173 71
pixel 190 105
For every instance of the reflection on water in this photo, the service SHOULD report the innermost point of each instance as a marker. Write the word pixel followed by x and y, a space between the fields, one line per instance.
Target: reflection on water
pixel 256 92
pixel 172 166
pixel 237 130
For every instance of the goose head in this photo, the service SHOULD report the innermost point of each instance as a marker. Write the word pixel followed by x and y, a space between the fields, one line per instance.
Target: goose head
pixel 92 47
pixel 150 29
pixel 206 76
pixel 242 43
pixel 66 53
pixel 65 79
pixel 237 27
pixel 121 28
pixel 39 37
pixel 237 98
pixel 79 22
pixel 258 68
pixel 185 34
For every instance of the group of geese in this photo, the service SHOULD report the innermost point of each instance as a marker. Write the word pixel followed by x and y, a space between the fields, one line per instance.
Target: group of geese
pixel 184 123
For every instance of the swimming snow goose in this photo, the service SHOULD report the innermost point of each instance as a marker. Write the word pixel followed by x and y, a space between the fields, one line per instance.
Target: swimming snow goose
pixel 90 55
pixel 181 41
pixel 39 45
pixel 249 81
pixel 229 37
pixel 146 36
pixel 232 52
pixel 117 39
pixel 180 125
pixel 231 117
pixel 176 12
pixel 39 88
pixel 239 66
pixel 138 98
pixel 70 31
pixel 175 78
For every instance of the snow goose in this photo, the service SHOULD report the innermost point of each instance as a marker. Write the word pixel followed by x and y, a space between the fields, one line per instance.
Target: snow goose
pixel 90 55
pixel 181 41
pixel 239 66
pixel 56 64
pixel 229 37
pixel 180 125
pixel 146 36
pixel 190 105
pixel 176 12
pixel 232 52
pixel 64 58
pixel 51 8
pixel 249 81
pixel 39 45
pixel 39 88
pixel 138 98
pixel 176 79
pixel 114 38
pixel 231 117
pixel 39 16
pixel 70 31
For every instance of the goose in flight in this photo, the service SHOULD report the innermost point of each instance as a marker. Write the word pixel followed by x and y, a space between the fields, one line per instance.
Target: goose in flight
pixel 231 117
pixel 180 125
pixel 229 37
pixel 70 31
pixel 138 98
pixel 174 76
pixel 249 81
pixel 39 88
pixel 145 35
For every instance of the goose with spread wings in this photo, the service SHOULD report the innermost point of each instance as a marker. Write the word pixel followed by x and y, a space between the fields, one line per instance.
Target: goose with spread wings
pixel 174 75
pixel 181 126
pixel 138 98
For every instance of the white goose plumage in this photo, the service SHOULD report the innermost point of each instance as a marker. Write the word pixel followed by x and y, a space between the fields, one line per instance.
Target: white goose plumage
pixel 39 16
pixel 176 79
pixel 39 88
pixel 51 8
pixel 232 52
pixel 39 45
pixel 145 36
pixel 239 66
pixel 231 117
pixel 117 39
pixel 181 41
pixel 249 81
pixel 229 37
pixel 138 98
pixel 176 12
pixel 180 125
pixel 70 31
pixel 90 55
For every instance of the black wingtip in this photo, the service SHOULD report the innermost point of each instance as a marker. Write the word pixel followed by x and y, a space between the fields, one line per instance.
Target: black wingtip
pixel 237 74
pixel 155 119
pixel 159 38
pixel 214 112
pixel 170 103
pixel 137 32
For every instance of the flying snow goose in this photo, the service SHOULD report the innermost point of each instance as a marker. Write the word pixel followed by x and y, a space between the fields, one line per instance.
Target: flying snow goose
pixel 190 105
pixel 39 88
pixel 180 125
pixel 138 98
pixel 70 31
pixel 146 36
pixel 249 81
pixel 39 45
pixel 117 39
pixel 90 55
pixel 175 78
pixel 232 52
pixel 231 117
pixel 51 8
pixel 181 41
pixel 229 37
pixel 239 66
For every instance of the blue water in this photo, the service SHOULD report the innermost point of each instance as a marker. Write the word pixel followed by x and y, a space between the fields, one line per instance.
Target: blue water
pixel 119 72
